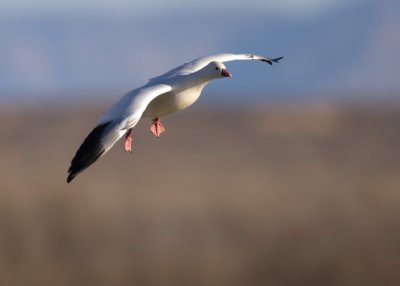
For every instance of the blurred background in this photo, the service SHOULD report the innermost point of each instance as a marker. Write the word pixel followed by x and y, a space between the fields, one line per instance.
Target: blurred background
pixel 282 175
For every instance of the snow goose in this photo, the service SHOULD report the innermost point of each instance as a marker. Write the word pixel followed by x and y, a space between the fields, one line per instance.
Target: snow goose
pixel 162 95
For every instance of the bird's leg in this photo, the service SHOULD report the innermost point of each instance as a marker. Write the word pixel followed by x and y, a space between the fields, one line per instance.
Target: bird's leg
pixel 156 127
pixel 128 140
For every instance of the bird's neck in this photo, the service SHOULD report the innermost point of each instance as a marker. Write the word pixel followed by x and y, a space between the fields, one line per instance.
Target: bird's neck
pixel 196 79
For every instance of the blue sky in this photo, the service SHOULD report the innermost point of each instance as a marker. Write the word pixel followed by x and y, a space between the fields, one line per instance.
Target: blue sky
pixel 52 48
pixel 288 7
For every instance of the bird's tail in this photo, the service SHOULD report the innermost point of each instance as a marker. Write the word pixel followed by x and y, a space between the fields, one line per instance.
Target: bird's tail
pixel 96 144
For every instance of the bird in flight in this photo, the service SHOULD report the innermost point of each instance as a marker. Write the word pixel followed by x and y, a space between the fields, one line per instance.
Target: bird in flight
pixel 161 95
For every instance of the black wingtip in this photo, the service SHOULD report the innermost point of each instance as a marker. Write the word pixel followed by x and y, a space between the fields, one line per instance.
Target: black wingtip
pixel 270 61
pixel 277 60
pixel 90 150
pixel 70 178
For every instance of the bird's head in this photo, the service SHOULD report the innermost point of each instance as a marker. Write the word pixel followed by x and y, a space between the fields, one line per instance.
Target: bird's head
pixel 217 70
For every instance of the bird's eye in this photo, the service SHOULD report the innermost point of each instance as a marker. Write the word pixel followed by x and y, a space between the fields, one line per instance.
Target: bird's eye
pixel 217 68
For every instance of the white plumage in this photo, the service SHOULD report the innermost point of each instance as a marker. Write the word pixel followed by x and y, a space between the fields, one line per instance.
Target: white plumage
pixel 161 95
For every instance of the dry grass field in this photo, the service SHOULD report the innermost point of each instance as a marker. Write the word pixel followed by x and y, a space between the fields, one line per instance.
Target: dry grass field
pixel 274 195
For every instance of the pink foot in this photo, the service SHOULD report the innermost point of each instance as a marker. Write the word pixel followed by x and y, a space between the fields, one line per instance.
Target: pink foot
pixel 128 140
pixel 156 127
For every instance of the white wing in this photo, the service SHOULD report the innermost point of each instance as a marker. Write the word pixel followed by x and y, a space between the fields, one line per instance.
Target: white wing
pixel 133 104
pixel 199 63
pixel 112 126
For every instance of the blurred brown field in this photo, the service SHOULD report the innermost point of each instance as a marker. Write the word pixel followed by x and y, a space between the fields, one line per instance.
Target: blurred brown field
pixel 305 194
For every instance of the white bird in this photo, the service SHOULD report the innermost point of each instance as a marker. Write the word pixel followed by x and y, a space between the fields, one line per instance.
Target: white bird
pixel 162 95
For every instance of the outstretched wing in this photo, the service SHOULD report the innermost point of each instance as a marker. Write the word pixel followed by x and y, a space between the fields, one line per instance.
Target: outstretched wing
pixel 199 63
pixel 96 144
pixel 122 116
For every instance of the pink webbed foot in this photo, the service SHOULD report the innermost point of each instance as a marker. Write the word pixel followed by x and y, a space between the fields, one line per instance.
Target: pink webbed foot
pixel 156 127
pixel 128 140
